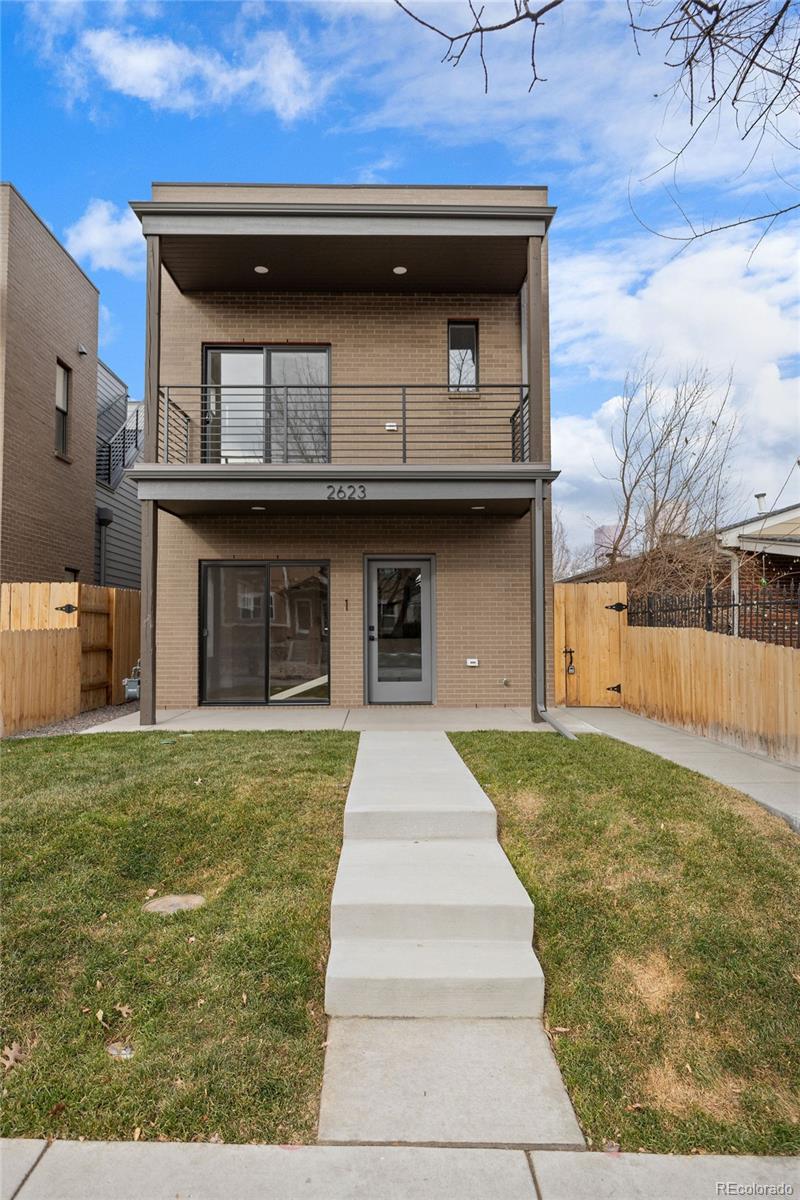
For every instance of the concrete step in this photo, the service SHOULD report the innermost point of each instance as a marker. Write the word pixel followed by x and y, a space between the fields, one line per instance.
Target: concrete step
pixel 415 786
pixel 397 978
pixel 407 822
pixel 438 888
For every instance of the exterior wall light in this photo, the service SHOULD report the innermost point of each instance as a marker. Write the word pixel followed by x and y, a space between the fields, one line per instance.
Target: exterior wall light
pixel 261 270
pixel 400 270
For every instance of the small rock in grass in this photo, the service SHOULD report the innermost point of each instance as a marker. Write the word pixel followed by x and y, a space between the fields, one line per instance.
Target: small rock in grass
pixel 119 1050
pixel 172 904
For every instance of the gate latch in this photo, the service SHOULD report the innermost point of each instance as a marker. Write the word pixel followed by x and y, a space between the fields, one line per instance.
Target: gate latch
pixel 616 687
pixel 618 607
pixel 570 664
pixel 66 608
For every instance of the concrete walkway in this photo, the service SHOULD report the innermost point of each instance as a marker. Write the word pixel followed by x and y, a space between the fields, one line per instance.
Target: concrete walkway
pixel 433 989
pixel 34 1170
pixel 406 717
pixel 774 785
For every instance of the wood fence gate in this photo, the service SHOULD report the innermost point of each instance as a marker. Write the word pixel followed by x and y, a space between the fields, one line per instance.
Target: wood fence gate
pixel 588 629
pixel 64 649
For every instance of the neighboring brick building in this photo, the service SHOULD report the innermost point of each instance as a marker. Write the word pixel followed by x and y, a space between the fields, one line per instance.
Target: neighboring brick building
pixel 67 511
pixel 48 357
pixel 346 470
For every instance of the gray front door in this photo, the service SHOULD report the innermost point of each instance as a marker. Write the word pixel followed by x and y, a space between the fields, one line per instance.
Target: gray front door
pixel 399 631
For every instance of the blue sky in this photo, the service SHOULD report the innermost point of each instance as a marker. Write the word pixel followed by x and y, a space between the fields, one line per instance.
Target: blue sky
pixel 101 98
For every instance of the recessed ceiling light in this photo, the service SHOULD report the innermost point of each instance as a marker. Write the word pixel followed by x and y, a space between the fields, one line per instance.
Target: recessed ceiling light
pixel 261 270
pixel 258 507
pixel 400 270
pixel 478 507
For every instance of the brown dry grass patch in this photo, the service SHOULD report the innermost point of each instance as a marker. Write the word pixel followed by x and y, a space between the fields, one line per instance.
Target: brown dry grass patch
pixel 677 1091
pixel 655 981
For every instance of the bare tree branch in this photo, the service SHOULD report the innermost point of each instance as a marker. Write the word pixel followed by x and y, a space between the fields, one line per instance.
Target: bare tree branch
pixel 459 43
pixel 742 54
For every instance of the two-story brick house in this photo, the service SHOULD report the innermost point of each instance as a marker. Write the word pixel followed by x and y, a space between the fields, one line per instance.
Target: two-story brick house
pixel 346 473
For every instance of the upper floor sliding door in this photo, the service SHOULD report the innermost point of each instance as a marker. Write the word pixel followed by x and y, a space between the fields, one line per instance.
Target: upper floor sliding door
pixel 266 404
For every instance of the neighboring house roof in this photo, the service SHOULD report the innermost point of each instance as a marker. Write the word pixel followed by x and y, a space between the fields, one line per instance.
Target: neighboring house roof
pixel 775 532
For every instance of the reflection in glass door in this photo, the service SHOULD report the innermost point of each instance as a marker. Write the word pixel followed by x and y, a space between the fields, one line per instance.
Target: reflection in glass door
pixel 236 416
pixel 266 405
pixel 298 624
pixel 399 637
pixel 234 628
pixel 264 633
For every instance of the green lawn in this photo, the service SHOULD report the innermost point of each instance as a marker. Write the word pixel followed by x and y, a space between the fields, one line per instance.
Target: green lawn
pixel 668 927
pixel 226 1003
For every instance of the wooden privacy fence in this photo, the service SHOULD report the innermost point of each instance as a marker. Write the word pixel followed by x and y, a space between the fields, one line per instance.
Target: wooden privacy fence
pixel 64 649
pixel 730 688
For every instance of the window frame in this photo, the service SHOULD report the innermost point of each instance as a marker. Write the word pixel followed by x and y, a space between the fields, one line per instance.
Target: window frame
pixel 62 413
pixel 452 323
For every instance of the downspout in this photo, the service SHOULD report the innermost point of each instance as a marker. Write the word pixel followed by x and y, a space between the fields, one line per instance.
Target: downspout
pixel 538 604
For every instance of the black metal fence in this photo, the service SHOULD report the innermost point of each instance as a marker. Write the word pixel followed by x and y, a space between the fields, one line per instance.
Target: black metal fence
pixel 765 614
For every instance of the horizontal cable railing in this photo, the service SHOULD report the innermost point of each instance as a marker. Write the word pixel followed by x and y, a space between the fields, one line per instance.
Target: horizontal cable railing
pixel 766 614
pixel 341 423
pixel 122 448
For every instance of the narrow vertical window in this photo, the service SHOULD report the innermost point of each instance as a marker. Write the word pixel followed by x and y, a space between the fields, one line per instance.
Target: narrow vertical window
pixel 63 381
pixel 462 355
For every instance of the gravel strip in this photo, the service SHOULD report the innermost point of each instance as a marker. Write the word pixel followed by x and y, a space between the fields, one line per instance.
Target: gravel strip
pixel 84 720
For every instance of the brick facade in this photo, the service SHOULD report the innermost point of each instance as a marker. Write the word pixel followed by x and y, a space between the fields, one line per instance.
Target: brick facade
pixel 373 338
pixel 47 504
pixel 482 584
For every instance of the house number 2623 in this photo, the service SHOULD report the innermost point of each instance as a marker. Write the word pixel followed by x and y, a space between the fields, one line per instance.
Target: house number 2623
pixel 346 491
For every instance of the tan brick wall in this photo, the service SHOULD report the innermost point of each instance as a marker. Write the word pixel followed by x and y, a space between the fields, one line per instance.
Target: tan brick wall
pixel 482 595
pixel 47 512
pixel 373 338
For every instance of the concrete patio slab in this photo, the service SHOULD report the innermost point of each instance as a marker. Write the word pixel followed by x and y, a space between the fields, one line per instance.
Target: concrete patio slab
pixel 164 1171
pixel 473 1082
pixel 570 1176
pixel 376 718
pixel 18 1156
pixel 774 785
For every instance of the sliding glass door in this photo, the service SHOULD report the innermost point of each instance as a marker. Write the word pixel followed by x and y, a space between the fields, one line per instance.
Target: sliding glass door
pixel 263 404
pixel 264 633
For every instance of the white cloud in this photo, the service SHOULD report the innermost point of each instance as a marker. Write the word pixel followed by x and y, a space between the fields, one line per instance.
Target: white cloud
pixel 107 238
pixel 171 75
pixel 710 305
pixel 375 171
pixel 108 326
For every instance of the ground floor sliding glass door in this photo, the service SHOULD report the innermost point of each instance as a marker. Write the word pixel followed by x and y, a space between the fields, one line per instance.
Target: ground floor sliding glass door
pixel 264 633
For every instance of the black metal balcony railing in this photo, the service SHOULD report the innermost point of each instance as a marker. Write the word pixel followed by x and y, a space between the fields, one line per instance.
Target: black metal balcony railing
pixel 341 423
pixel 113 456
